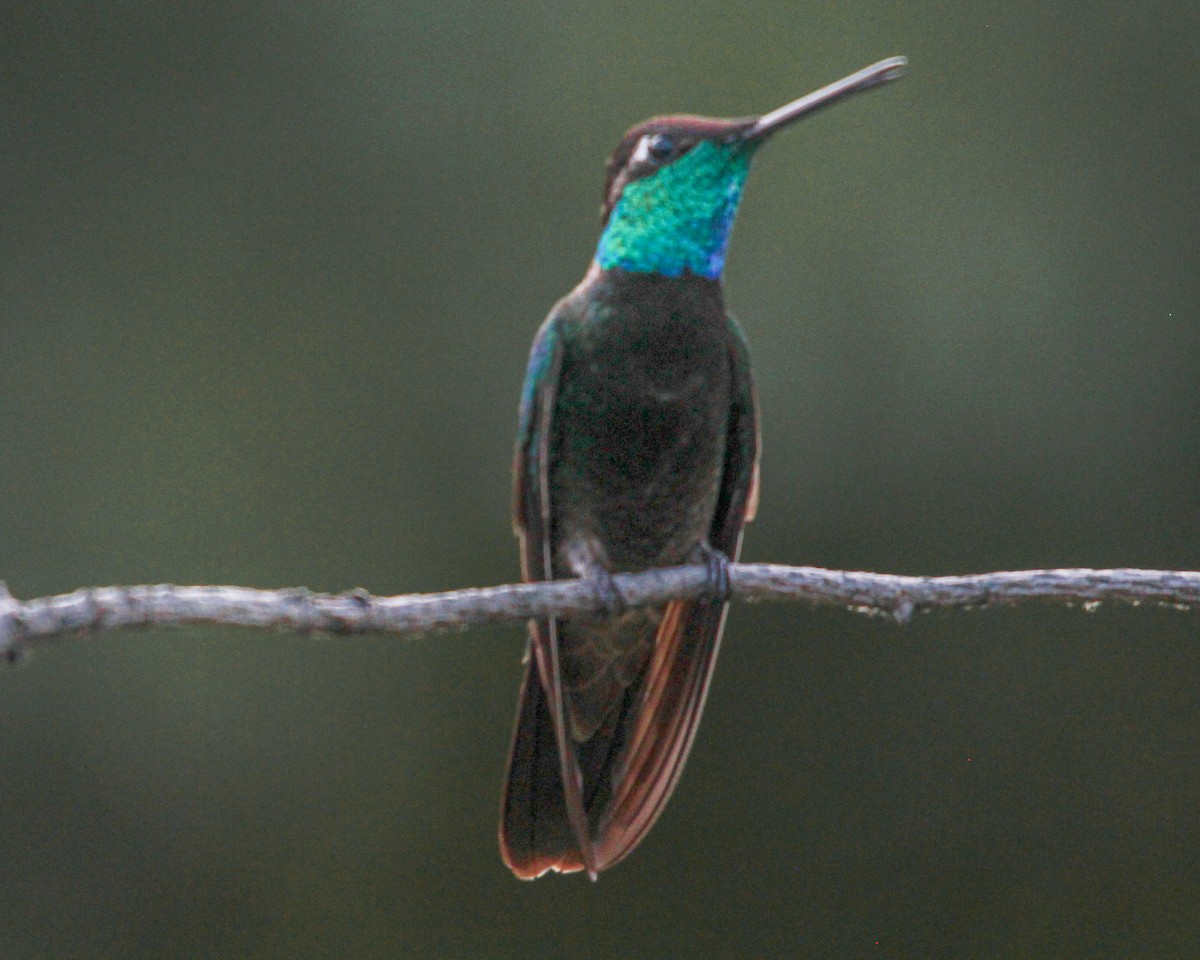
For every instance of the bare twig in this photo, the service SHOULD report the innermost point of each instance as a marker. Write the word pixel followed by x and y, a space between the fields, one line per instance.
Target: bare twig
pixel 23 623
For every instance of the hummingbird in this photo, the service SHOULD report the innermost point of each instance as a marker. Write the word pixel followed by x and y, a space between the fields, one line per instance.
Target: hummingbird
pixel 637 447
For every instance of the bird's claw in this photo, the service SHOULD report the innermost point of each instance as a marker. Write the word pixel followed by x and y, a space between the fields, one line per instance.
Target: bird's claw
pixel 607 591
pixel 717 566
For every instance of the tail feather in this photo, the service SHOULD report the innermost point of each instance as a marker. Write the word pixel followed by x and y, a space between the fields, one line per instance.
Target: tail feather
pixel 629 768
pixel 535 829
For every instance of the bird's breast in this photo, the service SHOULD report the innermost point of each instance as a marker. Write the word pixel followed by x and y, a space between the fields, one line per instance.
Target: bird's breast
pixel 639 444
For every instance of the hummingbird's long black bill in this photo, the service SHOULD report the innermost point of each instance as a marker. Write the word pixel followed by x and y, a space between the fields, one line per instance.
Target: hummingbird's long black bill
pixel 866 78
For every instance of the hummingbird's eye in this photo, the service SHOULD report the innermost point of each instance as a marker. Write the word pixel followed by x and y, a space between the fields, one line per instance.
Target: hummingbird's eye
pixel 660 147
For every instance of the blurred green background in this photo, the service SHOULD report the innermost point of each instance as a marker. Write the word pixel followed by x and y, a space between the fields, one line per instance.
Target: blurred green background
pixel 268 277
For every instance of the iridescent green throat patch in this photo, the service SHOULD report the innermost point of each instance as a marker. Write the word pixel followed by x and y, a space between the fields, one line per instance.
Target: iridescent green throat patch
pixel 680 217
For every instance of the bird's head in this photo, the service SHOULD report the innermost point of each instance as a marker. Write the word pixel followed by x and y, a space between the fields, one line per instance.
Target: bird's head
pixel 674 183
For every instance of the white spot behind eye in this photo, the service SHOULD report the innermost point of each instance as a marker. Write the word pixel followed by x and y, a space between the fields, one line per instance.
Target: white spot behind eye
pixel 641 153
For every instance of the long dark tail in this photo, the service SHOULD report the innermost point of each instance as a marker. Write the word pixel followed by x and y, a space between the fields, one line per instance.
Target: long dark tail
pixel 535 829
pixel 628 770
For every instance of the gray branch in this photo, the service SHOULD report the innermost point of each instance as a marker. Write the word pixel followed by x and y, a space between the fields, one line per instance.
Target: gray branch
pixel 94 610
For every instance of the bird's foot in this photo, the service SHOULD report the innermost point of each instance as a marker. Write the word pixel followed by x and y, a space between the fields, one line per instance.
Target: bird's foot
pixel 587 560
pixel 607 592
pixel 717 565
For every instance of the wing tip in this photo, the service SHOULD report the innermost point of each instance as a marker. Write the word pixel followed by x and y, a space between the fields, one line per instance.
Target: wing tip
pixel 660 742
